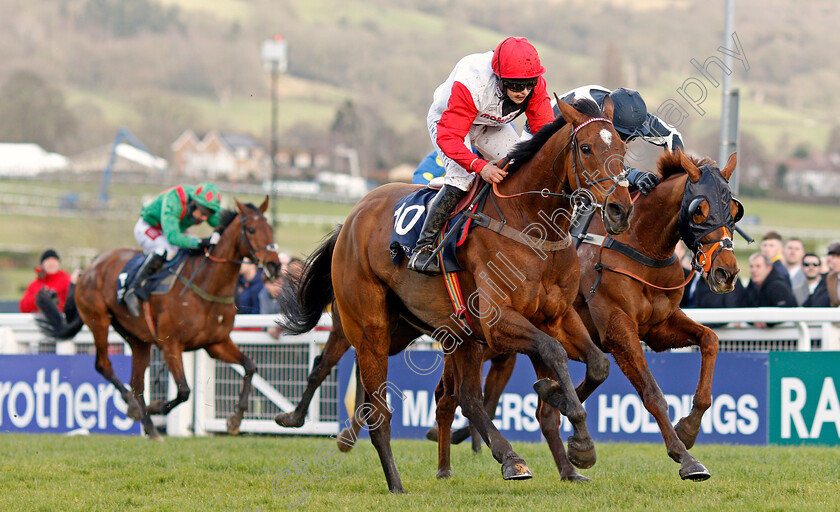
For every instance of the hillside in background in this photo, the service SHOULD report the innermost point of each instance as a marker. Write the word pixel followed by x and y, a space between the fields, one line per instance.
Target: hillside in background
pixel 362 72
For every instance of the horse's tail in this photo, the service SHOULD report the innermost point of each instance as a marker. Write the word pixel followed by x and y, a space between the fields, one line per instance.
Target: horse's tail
pixel 303 303
pixel 54 323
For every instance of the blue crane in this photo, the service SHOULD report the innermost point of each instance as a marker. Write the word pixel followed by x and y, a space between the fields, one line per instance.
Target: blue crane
pixel 123 135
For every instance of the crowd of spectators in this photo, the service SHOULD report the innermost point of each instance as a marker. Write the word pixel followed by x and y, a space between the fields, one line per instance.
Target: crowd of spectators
pixel 781 273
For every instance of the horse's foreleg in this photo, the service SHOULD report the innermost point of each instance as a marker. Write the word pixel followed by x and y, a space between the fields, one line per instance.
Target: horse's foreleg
pixel 336 346
pixel 549 418
pixel 228 352
pixel 681 331
pixel 513 332
pixel 621 339
pixel 501 368
pixel 467 359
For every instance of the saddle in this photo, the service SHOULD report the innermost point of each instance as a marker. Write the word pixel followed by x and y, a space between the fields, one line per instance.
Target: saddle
pixel 158 284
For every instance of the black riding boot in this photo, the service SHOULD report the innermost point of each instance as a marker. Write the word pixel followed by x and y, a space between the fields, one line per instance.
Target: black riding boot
pixel 438 213
pixel 151 264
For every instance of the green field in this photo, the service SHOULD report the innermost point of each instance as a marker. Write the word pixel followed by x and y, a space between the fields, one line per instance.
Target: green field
pixel 50 472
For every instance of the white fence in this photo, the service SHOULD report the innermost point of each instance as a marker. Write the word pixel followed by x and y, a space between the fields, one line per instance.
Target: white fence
pixel 283 364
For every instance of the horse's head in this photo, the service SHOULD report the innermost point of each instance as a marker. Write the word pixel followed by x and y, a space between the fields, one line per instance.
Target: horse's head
pixel 596 161
pixel 707 218
pixel 255 237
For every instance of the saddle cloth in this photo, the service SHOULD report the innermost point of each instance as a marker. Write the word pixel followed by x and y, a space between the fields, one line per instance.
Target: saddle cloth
pixel 158 284
pixel 409 215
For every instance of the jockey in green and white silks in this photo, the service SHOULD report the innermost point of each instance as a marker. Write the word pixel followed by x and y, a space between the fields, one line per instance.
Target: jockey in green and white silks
pixel 160 231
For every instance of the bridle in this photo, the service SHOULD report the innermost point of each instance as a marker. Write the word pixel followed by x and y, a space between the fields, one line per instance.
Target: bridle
pixel 258 261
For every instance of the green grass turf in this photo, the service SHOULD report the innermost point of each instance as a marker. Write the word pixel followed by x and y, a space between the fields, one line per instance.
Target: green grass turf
pixel 50 472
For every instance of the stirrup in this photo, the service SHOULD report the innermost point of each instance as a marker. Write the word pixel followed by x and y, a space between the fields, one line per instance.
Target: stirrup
pixel 429 266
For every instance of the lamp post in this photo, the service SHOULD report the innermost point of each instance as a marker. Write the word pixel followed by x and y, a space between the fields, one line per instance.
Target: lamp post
pixel 274 57
pixel 730 100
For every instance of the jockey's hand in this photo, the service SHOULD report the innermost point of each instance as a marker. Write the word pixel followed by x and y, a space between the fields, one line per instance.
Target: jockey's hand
pixel 492 174
pixel 207 244
pixel 643 180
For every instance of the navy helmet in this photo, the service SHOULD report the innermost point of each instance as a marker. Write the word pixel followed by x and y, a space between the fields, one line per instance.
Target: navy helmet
pixel 629 112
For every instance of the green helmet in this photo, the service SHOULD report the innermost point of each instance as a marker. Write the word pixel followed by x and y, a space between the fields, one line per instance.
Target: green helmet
pixel 207 195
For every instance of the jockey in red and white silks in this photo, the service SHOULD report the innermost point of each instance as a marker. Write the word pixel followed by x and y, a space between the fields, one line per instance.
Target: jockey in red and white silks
pixel 473 107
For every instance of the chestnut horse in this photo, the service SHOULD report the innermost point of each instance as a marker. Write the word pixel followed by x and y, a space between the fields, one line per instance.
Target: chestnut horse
pixel 373 297
pixel 639 299
pixel 202 317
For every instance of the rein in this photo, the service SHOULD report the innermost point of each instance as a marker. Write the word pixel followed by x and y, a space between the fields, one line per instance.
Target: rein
pixel 260 262
pixel 575 199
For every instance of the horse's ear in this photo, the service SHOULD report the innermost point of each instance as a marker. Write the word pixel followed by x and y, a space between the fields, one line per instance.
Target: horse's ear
pixel 264 205
pixel 240 207
pixel 569 113
pixel 730 166
pixel 689 167
pixel 607 109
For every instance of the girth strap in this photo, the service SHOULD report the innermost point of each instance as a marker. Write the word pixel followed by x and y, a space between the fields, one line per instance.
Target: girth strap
pixel 204 295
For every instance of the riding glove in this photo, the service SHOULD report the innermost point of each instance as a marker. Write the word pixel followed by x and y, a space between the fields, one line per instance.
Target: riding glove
pixel 643 180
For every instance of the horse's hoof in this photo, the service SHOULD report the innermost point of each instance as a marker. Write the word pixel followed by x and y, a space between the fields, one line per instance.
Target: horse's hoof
pixel 397 490
pixel 154 407
pixel 155 437
pixel 575 477
pixel 695 472
pixel 460 435
pixel 444 473
pixel 134 411
pixel 233 423
pixel 685 436
pixel 516 469
pixel 345 440
pixel 581 452
pixel 547 388
pixel 432 434
pixel 288 419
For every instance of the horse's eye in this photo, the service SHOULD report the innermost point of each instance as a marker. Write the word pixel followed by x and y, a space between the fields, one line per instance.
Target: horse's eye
pixel 251 230
pixel 585 149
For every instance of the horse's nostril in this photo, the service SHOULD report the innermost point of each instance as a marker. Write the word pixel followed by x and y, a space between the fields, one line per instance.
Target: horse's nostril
pixel 721 275
pixel 615 211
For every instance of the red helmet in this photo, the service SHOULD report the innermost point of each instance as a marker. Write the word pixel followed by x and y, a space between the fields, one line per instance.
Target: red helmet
pixel 515 57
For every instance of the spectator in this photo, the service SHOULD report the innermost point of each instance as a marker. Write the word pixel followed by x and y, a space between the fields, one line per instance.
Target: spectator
pixel 815 282
pixel 767 287
pixel 792 255
pixel 831 281
pixel 771 247
pixel 49 275
pixel 248 289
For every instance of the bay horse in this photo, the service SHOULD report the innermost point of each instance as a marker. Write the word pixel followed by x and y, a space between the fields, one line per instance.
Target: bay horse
pixel 533 316
pixel 194 314
pixel 638 298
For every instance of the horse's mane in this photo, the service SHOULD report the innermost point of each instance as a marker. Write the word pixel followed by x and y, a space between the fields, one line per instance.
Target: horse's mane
pixel 227 216
pixel 669 163
pixel 525 151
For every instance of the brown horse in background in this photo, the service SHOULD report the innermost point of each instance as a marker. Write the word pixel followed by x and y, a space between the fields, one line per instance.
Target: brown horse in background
pixel 374 298
pixel 625 309
pixel 181 320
